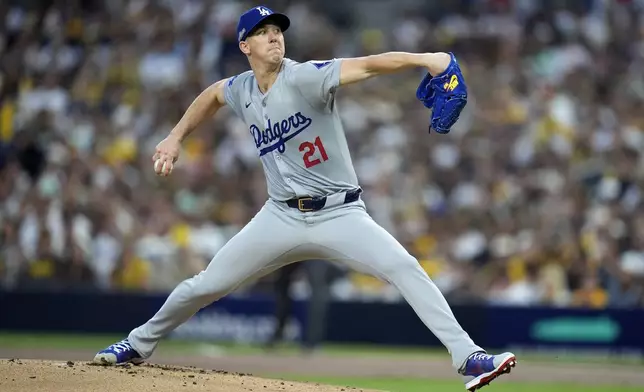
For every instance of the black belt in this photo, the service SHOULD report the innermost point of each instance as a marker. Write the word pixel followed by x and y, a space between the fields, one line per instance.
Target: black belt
pixel 307 204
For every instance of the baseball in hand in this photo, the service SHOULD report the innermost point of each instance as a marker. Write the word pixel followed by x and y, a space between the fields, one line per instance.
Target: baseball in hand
pixel 161 170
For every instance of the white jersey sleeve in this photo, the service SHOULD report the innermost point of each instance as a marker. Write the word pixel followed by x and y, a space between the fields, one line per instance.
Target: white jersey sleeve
pixel 317 81
pixel 232 92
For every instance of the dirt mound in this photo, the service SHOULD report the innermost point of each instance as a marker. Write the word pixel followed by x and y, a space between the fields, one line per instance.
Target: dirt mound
pixel 48 376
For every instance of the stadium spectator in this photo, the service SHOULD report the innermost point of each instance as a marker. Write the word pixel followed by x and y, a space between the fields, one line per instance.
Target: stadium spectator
pixel 534 198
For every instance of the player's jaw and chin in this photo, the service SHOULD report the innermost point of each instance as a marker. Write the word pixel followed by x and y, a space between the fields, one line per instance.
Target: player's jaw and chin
pixel 265 49
pixel 274 55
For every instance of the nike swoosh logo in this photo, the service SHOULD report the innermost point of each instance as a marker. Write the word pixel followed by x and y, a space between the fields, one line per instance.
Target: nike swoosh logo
pixel 248 104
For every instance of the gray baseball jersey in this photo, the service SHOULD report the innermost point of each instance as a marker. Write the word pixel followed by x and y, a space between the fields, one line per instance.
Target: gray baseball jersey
pixel 297 129
pixel 300 141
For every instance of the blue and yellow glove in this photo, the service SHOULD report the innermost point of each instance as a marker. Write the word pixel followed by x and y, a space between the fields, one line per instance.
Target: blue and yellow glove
pixel 446 94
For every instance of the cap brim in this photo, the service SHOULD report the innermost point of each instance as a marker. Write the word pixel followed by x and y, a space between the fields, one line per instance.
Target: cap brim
pixel 280 20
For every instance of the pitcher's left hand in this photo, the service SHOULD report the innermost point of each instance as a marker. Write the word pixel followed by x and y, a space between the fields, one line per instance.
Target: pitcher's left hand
pixel 446 94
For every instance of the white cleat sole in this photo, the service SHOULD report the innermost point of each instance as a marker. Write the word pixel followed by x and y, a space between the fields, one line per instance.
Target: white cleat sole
pixel 486 378
pixel 106 359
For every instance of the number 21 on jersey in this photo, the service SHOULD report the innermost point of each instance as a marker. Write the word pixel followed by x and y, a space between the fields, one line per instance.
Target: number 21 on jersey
pixel 309 150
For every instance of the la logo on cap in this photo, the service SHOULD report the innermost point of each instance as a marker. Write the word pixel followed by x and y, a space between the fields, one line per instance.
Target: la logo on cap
pixel 263 11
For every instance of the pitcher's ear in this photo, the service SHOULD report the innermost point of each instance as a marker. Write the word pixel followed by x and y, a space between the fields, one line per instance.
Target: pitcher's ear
pixel 243 46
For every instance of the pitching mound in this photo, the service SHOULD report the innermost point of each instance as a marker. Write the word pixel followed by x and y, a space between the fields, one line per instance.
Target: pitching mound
pixel 49 376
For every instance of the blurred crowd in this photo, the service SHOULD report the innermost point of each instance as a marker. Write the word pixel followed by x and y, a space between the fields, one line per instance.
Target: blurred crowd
pixel 534 198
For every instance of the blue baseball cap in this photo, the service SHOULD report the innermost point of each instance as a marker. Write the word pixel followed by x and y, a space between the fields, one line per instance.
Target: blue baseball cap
pixel 250 19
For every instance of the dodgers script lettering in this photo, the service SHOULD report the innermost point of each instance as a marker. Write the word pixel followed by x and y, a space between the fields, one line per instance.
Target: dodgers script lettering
pixel 275 135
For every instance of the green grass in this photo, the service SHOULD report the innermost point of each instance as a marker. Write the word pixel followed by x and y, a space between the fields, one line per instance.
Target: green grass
pixel 19 340
pixel 421 385
pixel 95 341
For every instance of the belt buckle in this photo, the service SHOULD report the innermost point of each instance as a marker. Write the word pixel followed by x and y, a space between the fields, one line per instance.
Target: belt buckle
pixel 300 204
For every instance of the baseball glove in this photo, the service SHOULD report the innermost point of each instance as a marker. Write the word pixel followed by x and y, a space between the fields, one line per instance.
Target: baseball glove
pixel 446 94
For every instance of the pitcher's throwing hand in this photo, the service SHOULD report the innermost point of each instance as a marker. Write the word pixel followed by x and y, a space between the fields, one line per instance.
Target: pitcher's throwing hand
pixel 166 154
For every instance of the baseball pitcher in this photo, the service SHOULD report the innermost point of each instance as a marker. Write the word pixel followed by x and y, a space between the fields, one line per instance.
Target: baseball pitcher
pixel 314 209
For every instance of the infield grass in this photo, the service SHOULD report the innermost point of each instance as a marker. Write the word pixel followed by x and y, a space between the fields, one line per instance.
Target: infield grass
pixel 429 385
pixel 21 340
pixel 17 340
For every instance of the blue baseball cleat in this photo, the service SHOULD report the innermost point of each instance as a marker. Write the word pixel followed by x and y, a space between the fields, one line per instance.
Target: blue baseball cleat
pixel 118 353
pixel 481 368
